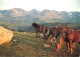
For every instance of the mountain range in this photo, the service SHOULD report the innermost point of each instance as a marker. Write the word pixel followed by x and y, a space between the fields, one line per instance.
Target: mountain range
pixel 40 16
pixel 20 17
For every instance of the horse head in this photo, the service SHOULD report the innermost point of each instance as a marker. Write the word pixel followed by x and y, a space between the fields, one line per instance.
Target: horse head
pixel 35 25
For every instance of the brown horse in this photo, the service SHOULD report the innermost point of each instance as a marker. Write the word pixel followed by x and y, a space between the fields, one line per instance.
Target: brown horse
pixel 55 32
pixel 70 37
pixel 45 31
pixel 39 29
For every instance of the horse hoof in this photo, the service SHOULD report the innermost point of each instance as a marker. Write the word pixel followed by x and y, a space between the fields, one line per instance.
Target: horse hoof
pixel 56 50
pixel 43 38
pixel 51 43
pixel 71 52
pixel 67 50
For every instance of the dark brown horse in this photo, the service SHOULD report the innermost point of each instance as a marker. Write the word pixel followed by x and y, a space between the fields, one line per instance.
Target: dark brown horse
pixel 55 32
pixel 70 37
pixel 39 29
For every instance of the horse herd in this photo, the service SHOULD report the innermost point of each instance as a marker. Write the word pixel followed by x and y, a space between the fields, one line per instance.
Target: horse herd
pixel 62 34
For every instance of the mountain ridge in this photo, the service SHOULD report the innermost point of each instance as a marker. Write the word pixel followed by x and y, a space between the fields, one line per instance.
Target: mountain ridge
pixel 44 16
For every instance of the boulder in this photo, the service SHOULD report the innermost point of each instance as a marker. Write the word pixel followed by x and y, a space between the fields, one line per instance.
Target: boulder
pixel 5 35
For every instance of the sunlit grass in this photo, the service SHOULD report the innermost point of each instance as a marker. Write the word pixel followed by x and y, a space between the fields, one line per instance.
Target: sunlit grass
pixel 26 44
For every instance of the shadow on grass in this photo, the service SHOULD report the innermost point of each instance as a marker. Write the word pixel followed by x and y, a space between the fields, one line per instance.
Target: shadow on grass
pixel 37 44
pixel 33 43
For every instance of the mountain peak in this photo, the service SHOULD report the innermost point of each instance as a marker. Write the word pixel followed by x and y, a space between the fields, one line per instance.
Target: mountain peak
pixel 34 12
pixel 16 12
pixel 18 9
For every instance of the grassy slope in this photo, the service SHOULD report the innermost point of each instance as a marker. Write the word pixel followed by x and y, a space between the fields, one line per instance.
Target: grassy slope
pixel 25 44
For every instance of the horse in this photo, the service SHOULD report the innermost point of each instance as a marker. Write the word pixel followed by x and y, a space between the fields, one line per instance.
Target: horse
pixel 70 37
pixel 39 29
pixel 55 32
pixel 45 31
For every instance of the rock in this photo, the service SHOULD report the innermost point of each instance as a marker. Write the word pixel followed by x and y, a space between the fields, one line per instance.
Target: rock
pixel 44 54
pixel 46 45
pixel 14 40
pixel 5 35
pixel 20 38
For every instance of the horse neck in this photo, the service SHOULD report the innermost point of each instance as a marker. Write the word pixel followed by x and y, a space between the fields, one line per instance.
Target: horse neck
pixel 43 29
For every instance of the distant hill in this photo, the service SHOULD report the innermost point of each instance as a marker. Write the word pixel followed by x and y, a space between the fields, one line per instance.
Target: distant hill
pixel 18 17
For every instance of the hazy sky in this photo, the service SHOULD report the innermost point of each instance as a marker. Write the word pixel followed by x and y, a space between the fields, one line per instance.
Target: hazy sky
pixel 59 5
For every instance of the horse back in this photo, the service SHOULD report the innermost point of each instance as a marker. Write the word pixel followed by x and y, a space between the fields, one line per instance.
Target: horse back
pixel 76 36
pixel 73 35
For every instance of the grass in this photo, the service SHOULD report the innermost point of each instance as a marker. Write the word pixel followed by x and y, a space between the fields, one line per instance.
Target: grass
pixel 25 44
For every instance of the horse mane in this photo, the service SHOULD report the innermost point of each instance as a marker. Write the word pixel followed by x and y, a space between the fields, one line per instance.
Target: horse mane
pixel 35 25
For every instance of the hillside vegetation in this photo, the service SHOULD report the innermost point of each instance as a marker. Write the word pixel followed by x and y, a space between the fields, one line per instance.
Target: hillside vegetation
pixel 24 44
pixel 23 27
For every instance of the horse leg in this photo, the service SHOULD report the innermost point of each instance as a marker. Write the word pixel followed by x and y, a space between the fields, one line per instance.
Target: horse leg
pixel 36 34
pixel 39 35
pixel 46 38
pixel 61 41
pixel 71 46
pixel 57 47
pixel 51 40
pixel 44 35
pixel 67 46
pixel 59 44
